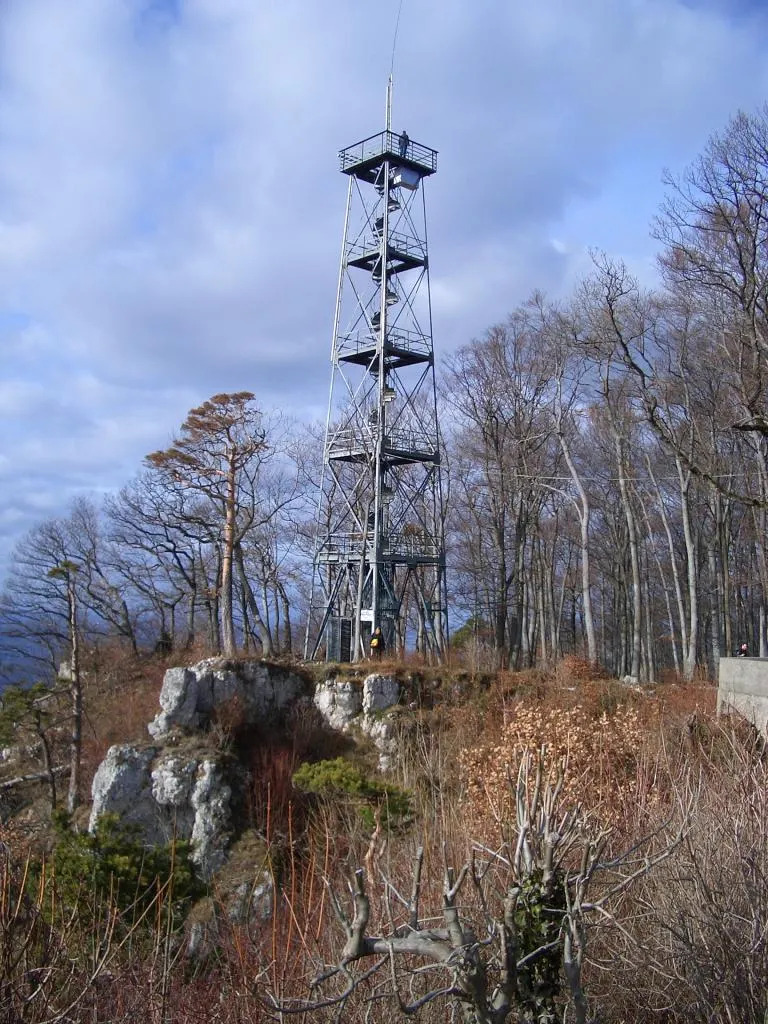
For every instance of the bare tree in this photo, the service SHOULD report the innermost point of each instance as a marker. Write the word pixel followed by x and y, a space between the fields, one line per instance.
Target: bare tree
pixel 713 227
pixel 159 533
pixel 571 369
pixel 511 924
pixel 219 445
pixel 496 391
pixel 67 571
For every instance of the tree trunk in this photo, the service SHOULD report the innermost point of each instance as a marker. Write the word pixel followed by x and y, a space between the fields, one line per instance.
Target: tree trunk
pixel 761 525
pixel 47 761
pixel 500 626
pixel 689 663
pixel 253 607
pixel 287 646
pixel 637 599
pixel 722 535
pixel 227 603
pixel 584 516
pixel 664 584
pixel 714 610
pixel 192 609
pixel 650 660
pixel 76 695
pixel 675 573
pixel 247 631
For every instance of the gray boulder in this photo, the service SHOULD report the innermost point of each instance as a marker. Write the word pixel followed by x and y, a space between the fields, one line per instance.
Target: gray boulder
pixel 379 693
pixel 170 794
pixel 211 803
pixel 167 796
pixel 381 729
pixel 339 701
pixel 253 901
pixel 178 702
pixel 344 704
pixel 173 780
pixel 251 690
pixel 249 903
pixel 123 785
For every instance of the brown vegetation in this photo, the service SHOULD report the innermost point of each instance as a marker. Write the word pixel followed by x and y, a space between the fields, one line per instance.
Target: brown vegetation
pixel 682 942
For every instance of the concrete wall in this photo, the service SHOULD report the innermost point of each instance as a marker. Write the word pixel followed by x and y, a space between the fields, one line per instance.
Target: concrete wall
pixel 743 685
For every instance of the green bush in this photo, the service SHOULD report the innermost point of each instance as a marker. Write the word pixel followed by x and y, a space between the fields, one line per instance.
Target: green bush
pixel 111 866
pixel 23 709
pixel 340 779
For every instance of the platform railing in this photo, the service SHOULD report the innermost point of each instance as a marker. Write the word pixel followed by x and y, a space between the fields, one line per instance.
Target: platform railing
pixel 410 546
pixel 392 144
pixel 414 442
pixel 405 340
pixel 341 546
pixel 410 245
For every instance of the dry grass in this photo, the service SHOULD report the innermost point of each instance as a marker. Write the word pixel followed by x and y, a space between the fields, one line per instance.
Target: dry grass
pixel 615 743
pixel 627 750
pixel 121 696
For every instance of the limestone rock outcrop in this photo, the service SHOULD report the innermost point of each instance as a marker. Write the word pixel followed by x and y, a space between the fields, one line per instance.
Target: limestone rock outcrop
pixel 253 689
pixel 345 704
pixel 380 692
pixel 182 786
pixel 339 701
pixel 211 828
pixel 245 893
pixel 170 789
pixel 167 796
pixel 381 730
pixel 122 785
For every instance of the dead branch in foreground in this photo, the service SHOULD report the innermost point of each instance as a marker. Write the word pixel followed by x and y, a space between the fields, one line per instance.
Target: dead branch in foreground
pixel 513 921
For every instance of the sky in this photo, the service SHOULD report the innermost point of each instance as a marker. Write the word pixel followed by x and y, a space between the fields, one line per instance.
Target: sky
pixel 171 208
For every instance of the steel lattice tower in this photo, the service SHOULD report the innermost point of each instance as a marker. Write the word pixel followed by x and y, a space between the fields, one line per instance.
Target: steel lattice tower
pixel 380 550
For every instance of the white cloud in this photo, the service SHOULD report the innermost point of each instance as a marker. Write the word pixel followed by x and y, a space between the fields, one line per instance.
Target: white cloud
pixel 171 212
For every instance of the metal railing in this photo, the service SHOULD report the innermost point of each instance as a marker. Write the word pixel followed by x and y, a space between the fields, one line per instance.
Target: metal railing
pixel 350 440
pixel 405 340
pixel 345 546
pixel 410 546
pixel 407 244
pixel 388 144
pixel 417 442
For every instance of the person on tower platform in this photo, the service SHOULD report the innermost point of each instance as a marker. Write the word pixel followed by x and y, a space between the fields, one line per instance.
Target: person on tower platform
pixel 404 143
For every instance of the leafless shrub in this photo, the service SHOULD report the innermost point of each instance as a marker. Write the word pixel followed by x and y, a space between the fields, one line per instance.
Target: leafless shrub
pixel 600 752
pixel 59 966
pixel 694 941
pixel 500 937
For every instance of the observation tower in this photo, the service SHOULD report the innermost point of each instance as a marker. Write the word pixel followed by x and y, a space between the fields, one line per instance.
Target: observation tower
pixel 380 549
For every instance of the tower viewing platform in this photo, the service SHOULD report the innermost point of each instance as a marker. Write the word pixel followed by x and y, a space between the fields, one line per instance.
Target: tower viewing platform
pixel 364 158
pixel 401 348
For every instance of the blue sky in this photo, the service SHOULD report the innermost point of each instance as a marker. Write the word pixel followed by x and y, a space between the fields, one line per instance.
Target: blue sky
pixel 171 208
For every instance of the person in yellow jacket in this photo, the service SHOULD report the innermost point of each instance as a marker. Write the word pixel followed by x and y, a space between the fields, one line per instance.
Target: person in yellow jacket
pixel 377 643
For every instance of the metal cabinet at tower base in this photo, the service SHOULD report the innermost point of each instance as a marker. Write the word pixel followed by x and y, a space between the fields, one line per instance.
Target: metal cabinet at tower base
pixel 339 639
